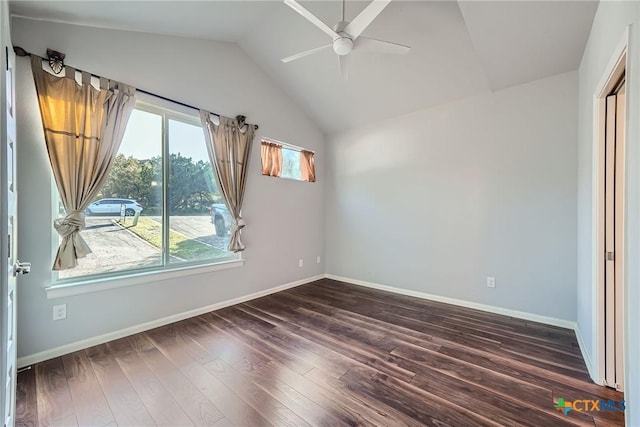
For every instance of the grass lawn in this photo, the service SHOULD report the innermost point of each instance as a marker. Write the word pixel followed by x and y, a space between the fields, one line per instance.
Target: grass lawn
pixel 180 245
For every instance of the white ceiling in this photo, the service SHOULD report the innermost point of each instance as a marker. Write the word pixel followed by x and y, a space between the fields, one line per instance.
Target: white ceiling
pixel 459 49
pixel 214 20
pixel 525 40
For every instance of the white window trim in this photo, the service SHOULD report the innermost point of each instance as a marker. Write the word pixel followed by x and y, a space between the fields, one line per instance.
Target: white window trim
pixel 60 288
pixel 110 282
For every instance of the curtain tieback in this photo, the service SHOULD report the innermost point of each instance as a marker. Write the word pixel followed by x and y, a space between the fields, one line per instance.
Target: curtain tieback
pixel 71 223
pixel 239 225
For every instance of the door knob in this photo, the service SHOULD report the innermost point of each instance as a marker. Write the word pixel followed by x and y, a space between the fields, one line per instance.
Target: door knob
pixel 22 267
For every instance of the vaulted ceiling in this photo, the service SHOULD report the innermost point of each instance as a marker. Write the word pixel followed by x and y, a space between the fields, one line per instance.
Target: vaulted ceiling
pixel 459 48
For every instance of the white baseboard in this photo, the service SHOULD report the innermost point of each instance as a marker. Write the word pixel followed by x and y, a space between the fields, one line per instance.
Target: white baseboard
pixel 586 356
pixel 110 336
pixel 462 303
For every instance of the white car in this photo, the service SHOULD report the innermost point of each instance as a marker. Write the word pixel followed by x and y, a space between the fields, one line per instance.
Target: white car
pixel 113 207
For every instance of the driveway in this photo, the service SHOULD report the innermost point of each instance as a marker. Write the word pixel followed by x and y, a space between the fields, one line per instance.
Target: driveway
pixel 113 249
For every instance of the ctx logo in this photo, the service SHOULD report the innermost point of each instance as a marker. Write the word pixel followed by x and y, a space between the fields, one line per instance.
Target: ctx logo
pixel 588 405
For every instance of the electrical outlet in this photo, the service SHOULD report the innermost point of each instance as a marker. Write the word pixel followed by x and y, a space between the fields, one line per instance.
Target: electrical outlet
pixel 300 262
pixel 60 312
pixel 491 282
pixel 318 259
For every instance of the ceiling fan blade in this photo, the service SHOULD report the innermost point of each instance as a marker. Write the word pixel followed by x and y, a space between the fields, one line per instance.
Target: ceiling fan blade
pixel 366 17
pixel 303 54
pixel 311 18
pixel 344 66
pixel 380 46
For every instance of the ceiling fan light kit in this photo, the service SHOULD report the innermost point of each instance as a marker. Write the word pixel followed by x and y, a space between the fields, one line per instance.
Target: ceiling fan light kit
pixel 342 46
pixel 346 35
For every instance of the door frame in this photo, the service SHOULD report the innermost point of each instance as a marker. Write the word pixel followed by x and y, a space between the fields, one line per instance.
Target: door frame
pixel 7 255
pixel 618 65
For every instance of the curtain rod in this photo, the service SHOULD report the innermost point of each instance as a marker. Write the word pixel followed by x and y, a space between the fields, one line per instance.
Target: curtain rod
pixel 56 62
pixel 287 145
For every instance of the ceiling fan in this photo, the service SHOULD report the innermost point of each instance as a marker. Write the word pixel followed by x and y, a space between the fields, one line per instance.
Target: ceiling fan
pixel 347 35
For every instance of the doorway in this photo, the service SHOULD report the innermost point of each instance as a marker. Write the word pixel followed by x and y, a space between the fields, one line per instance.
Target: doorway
pixel 610 255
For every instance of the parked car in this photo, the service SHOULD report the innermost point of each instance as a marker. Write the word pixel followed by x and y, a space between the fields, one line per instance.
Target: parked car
pixel 113 206
pixel 221 218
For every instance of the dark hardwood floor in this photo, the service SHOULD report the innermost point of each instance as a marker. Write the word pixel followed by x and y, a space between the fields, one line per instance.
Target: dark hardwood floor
pixel 325 353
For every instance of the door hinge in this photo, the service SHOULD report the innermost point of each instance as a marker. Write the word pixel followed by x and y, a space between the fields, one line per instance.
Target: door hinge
pixel 9 246
pixel 6 57
pixel 609 256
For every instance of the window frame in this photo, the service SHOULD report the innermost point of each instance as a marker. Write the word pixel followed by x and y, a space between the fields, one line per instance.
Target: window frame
pixel 166 270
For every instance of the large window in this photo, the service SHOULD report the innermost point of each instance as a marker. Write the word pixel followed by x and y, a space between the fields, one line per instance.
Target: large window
pixel 160 207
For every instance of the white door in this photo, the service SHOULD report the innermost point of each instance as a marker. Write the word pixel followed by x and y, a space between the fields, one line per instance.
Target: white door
pixel 113 207
pixel 8 226
pixel 614 229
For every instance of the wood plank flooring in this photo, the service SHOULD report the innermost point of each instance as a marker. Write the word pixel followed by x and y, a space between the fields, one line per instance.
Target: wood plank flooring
pixel 325 353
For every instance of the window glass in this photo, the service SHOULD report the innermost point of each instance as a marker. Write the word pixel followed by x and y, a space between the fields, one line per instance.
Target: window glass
pixel 290 164
pixel 199 222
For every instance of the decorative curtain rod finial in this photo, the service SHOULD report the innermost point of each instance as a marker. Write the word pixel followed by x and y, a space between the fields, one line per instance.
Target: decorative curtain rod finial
pixel 56 60
pixel 242 120
pixel 20 51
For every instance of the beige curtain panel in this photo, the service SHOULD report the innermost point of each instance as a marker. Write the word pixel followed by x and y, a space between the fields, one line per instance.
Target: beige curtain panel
pixel 307 166
pixel 83 129
pixel 229 145
pixel 271 158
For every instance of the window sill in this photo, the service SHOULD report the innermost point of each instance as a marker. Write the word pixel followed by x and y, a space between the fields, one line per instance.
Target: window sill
pixel 105 283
